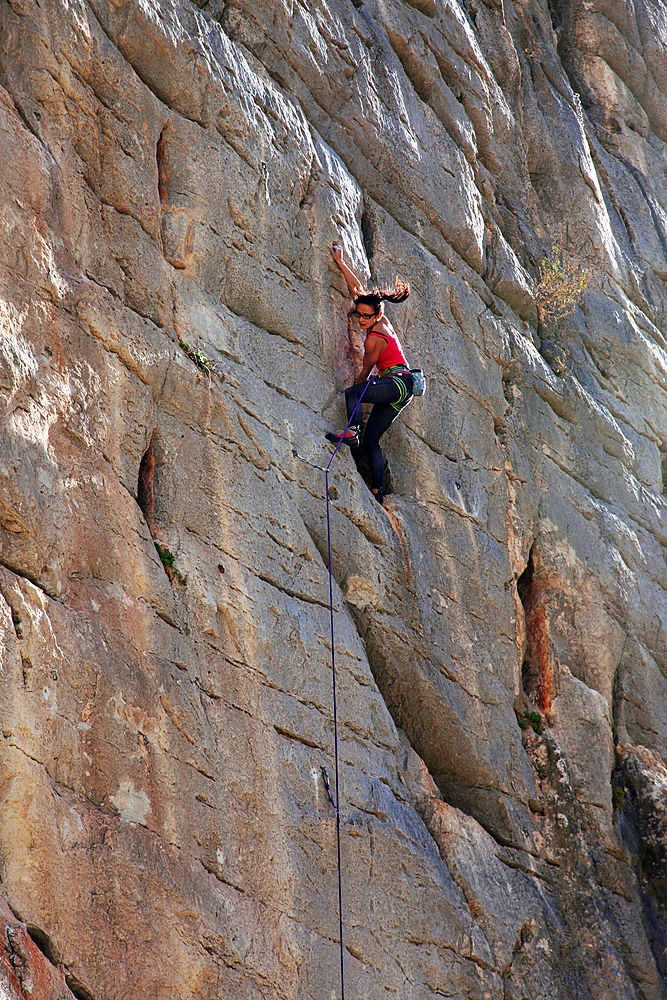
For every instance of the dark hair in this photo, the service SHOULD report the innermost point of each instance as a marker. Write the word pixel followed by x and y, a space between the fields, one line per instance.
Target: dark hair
pixel 377 296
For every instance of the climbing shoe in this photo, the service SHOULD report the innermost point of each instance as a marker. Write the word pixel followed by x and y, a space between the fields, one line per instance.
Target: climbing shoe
pixel 379 496
pixel 350 437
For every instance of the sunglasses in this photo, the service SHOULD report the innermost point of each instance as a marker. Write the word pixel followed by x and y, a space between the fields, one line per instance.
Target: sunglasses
pixel 364 315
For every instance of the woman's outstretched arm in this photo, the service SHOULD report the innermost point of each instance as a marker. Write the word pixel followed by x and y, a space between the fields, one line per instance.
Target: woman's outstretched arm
pixel 354 285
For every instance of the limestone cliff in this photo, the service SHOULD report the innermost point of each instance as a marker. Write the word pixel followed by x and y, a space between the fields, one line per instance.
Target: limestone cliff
pixel 172 328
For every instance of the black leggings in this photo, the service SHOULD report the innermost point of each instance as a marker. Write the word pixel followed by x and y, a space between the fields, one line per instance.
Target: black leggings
pixel 383 392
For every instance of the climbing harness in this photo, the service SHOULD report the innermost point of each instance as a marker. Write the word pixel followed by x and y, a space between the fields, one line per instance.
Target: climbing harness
pixel 325 776
pixel 404 394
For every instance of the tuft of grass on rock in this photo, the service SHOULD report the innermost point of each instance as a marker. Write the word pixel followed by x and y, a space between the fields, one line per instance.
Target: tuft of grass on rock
pixel 560 364
pixel 203 363
pixel 168 561
pixel 533 720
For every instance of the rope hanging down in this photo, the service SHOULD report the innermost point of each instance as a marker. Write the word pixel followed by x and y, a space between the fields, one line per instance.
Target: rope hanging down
pixel 325 776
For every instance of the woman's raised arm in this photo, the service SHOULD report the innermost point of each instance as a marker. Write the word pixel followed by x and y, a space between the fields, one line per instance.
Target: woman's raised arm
pixel 354 285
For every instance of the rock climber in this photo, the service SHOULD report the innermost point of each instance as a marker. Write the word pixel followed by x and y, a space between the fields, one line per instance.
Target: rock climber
pixel 391 390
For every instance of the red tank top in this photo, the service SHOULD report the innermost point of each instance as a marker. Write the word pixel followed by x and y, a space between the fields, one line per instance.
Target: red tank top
pixel 392 354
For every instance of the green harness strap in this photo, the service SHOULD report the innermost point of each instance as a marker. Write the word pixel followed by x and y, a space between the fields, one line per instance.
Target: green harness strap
pixel 404 395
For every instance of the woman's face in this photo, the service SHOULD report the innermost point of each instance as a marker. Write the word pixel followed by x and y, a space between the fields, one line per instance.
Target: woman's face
pixel 367 318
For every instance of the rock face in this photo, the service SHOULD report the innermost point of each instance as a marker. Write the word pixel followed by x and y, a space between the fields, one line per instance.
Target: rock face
pixel 172 331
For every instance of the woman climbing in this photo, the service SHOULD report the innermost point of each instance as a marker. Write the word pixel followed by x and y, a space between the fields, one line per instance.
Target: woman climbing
pixel 392 390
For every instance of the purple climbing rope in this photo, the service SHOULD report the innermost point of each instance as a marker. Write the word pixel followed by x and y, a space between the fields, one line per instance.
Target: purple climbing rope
pixel 335 710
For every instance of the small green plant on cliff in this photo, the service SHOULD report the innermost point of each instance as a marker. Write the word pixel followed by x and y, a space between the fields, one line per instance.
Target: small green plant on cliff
pixel 559 364
pixel 203 363
pixel 169 563
pixel 617 797
pixel 532 719
pixel 563 280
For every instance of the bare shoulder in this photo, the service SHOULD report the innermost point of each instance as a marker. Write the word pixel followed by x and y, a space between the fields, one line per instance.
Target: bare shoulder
pixel 383 327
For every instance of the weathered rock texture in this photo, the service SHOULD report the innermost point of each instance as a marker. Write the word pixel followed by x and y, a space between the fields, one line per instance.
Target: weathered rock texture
pixel 175 174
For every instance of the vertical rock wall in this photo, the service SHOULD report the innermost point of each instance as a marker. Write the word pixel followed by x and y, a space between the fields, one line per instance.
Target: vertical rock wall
pixel 172 175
